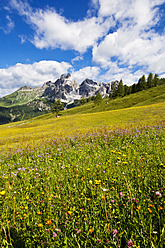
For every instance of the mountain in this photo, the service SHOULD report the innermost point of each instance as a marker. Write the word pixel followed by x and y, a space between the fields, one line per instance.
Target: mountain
pixel 67 90
pixel 29 102
pixel 63 88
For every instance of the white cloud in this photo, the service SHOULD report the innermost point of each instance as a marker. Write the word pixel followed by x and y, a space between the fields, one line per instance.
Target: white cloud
pixel 9 26
pixel 86 72
pixel 35 74
pixel 121 35
pixel 133 43
pixel 77 58
pixel 117 73
pixel 55 31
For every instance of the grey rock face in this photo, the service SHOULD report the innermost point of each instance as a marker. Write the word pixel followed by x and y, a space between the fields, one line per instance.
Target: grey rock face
pixel 67 90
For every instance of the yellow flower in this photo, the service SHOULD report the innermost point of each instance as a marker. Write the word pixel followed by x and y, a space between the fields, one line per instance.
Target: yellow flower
pixel 70 212
pixel 88 199
pixel 138 207
pixel 40 225
pixel 3 192
pixel 48 222
pixel 39 213
pixel 150 211
pixel 90 230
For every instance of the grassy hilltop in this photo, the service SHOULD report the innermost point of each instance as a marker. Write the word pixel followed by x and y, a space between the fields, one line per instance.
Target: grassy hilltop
pixel 86 179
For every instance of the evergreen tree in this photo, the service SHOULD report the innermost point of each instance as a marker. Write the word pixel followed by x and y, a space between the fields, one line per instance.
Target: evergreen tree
pixel 120 89
pixel 57 106
pixel 156 80
pixel 113 90
pixel 143 82
pixel 150 80
pixel 141 85
pixel 83 100
pixel 98 99
pixel 133 88
pixel 127 90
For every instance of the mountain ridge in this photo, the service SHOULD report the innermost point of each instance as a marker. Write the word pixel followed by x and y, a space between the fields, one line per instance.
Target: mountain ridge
pixel 64 88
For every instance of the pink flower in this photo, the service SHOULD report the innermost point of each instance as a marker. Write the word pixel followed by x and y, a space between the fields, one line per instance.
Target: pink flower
pixel 114 232
pixel 129 243
pixel 99 240
pixel 157 193
pixel 79 231
pixel 54 235
pixel 133 199
pixel 121 194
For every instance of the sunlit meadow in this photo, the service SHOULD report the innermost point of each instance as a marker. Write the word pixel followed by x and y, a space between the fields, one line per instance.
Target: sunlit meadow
pixel 72 185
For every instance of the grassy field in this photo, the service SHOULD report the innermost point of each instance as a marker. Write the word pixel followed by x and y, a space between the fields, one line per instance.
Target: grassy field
pixel 86 180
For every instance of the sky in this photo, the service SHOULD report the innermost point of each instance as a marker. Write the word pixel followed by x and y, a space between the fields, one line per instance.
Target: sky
pixel 103 40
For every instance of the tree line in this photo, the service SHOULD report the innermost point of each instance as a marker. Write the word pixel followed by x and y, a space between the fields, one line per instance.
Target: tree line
pixel 143 84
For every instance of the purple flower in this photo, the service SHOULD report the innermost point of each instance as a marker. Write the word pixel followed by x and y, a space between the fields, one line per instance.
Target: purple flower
pixel 129 243
pixel 54 235
pixel 133 199
pixel 114 232
pixel 99 240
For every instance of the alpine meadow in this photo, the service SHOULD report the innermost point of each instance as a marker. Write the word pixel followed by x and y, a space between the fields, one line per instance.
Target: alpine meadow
pixel 82 124
pixel 84 180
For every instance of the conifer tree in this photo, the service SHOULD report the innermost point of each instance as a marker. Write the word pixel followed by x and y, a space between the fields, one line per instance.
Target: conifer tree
pixel 57 106
pixel 98 99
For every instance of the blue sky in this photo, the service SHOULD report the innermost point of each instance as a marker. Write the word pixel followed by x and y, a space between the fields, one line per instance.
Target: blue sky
pixel 103 40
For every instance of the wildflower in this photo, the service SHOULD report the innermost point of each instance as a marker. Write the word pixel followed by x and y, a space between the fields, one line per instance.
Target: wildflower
pixel 99 240
pixel 39 213
pixel 129 243
pixel 160 208
pixel 48 222
pixel 3 192
pixel 90 230
pixel 133 199
pixel 149 210
pixel 88 199
pixel 151 205
pixel 40 225
pixel 157 193
pixel 121 194
pixel 54 235
pixel 138 207
pixel 70 212
pixel 104 189
pixel 114 232
pixel 78 231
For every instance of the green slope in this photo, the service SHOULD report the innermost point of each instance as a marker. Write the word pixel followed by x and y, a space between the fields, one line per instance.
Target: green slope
pixel 18 98
pixel 142 98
